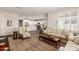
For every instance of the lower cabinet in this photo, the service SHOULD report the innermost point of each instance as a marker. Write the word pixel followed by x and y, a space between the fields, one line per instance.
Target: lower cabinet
pixel 4 44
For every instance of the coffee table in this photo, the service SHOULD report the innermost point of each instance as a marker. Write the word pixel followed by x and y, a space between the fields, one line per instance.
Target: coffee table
pixel 50 38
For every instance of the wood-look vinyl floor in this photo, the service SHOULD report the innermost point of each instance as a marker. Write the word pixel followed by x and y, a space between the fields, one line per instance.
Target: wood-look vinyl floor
pixel 30 44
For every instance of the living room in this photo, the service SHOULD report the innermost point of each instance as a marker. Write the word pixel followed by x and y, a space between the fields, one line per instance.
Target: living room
pixel 19 24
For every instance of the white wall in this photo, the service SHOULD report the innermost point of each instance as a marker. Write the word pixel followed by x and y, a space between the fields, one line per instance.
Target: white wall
pixel 8 30
pixel 4 29
pixel 56 18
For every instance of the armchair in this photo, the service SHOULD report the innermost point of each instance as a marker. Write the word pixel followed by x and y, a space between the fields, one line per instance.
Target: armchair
pixel 70 46
pixel 23 33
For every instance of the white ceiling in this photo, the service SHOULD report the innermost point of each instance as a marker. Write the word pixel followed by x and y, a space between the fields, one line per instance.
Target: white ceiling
pixel 29 11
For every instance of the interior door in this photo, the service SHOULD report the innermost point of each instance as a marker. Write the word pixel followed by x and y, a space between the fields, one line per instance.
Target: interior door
pixel 20 23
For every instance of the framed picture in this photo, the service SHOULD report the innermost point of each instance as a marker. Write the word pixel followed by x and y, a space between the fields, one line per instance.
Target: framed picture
pixel 26 24
pixel 9 23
